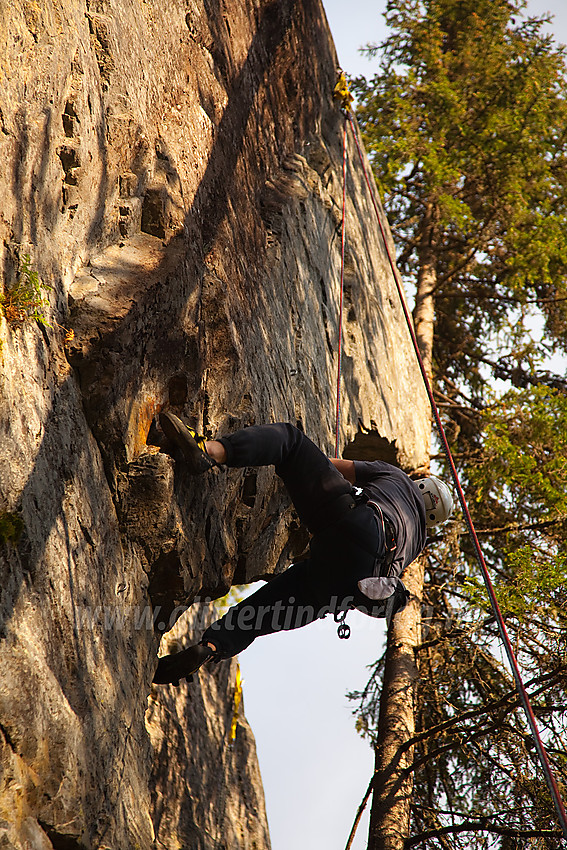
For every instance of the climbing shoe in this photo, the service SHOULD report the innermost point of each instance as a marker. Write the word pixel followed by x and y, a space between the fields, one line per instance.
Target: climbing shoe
pixel 172 668
pixel 156 437
pixel 191 444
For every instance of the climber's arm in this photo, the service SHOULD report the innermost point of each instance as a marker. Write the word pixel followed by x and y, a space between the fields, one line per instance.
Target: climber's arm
pixel 345 467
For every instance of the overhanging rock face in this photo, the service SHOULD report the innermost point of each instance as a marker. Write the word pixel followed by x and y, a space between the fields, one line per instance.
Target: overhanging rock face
pixel 173 171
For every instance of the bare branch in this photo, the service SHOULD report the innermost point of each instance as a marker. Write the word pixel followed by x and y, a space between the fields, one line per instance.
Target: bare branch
pixel 509 701
pixel 476 826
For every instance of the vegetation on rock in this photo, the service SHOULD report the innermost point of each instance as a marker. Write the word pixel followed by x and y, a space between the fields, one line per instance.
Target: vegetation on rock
pixel 11 527
pixel 25 298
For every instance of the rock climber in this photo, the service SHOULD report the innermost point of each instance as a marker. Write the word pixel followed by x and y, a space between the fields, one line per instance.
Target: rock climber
pixel 368 520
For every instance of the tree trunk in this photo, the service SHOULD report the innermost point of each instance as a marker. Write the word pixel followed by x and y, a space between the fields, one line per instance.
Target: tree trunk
pixel 393 787
pixel 424 310
pixel 393 779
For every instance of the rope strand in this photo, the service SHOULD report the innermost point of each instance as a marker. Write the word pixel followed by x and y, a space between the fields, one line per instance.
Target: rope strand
pixel 532 723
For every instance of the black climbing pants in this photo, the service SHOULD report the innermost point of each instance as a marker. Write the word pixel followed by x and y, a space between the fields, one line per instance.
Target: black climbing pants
pixel 346 544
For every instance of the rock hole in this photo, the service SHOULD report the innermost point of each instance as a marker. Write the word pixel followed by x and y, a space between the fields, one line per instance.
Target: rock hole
pixel 239 576
pixel 160 154
pixel 127 184
pixel 68 126
pixel 69 118
pixel 369 445
pixel 71 163
pixel 59 840
pixel 153 214
pixel 165 589
pixel 206 407
pixel 69 158
pixel 291 86
pixel 249 489
pixel 330 343
pixel 177 390
pixel 86 534
pixel 124 221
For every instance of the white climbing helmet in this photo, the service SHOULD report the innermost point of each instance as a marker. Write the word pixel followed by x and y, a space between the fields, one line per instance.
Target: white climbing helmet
pixel 438 500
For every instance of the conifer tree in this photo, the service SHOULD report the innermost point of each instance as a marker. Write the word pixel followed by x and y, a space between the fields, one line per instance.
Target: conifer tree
pixel 466 126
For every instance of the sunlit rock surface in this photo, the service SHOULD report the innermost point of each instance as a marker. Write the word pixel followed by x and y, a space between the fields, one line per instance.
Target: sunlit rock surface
pixel 173 170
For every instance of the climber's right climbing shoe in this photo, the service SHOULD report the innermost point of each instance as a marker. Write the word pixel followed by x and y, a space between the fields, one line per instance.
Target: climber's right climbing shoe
pixel 172 668
pixel 156 437
pixel 191 444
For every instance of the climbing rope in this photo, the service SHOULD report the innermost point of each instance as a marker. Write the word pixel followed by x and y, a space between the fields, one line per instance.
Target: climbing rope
pixel 343 95
pixel 342 286
pixel 524 698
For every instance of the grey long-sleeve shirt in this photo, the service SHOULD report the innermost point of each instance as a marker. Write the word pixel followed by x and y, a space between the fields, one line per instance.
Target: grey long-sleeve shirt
pixel 402 503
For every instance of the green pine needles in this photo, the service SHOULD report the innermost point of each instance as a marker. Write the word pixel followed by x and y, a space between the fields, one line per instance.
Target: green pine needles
pixel 465 122
pixel 11 527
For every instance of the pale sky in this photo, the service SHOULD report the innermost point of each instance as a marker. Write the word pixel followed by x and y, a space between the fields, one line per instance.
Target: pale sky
pixel 315 767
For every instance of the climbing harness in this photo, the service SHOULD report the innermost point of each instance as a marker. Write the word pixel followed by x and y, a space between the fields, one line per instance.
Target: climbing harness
pixel 522 692
pixel 389 538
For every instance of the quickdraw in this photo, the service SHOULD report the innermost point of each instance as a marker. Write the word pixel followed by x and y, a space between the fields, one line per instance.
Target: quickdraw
pixel 342 93
pixel 343 629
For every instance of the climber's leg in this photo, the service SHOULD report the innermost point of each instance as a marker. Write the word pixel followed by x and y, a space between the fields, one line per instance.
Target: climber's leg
pixel 318 490
pixel 181 665
pixel 325 583
pixel 310 478
pixel 344 550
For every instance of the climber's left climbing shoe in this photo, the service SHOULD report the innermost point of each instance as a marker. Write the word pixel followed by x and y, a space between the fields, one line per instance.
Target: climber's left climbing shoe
pixel 172 668
pixel 191 444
